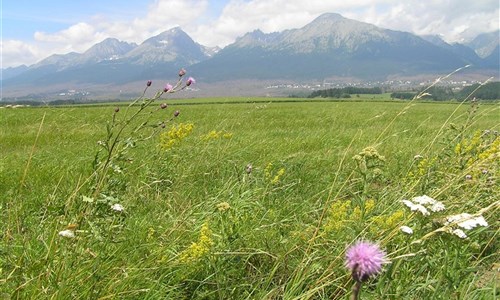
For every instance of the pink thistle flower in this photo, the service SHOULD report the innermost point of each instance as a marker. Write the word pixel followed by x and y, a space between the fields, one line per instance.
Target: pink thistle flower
pixel 364 259
pixel 190 81
pixel 167 88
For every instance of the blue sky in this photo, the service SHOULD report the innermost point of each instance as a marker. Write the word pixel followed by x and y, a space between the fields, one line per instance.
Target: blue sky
pixel 33 30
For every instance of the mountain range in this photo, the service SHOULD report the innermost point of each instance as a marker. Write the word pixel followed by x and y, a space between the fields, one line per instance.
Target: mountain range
pixel 331 46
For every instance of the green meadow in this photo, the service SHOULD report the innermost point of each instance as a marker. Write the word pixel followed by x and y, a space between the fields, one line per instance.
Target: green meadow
pixel 240 198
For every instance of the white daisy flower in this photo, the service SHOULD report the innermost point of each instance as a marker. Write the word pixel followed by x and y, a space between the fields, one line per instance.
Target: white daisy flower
pixel 117 207
pixel 67 233
pixel 406 229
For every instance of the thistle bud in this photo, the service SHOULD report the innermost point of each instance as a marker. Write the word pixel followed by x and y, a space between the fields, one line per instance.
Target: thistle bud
pixel 190 81
pixel 148 83
pixel 176 113
pixel 117 109
pixel 167 88
pixel 163 105
pixel 182 72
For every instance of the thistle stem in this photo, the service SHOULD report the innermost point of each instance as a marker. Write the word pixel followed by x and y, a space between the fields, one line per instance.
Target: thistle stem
pixel 356 288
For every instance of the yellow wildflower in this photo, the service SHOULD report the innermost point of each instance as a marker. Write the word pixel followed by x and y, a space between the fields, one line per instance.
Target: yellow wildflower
pixel 369 205
pixel 278 175
pixel 223 206
pixel 175 135
pixel 198 249
pixel 337 216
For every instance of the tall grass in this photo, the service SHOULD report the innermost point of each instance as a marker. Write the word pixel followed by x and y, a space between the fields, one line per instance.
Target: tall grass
pixel 198 224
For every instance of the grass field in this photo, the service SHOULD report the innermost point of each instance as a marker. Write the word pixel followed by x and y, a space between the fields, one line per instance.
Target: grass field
pixel 199 223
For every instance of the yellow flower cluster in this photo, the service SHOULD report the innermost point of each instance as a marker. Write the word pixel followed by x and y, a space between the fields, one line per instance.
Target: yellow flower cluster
pixel 337 216
pixel 386 222
pixel 492 152
pixel 423 167
pixel 200 248
pixel 341 213
pixel 175 135
pixel 215 135
pixel 223 206
pixel 480 151
pixel 274 178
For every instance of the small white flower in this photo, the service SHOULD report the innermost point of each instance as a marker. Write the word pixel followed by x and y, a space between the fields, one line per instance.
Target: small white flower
pixel 438 206
pixel 458 217
pixel 67 233
pixel 417 207
pixel 466 221
pixel 424 199
pixel 418 156
pixel 460 233
pixel 117 207
pixel 406 229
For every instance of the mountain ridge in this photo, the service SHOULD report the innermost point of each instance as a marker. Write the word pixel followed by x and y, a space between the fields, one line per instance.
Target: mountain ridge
pixel 329 46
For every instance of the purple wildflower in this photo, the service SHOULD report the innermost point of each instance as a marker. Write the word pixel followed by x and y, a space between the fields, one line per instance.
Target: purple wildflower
pixel 364 259
pixel 182 72
pixel 167 88
pixel 190 81
pixel 148 83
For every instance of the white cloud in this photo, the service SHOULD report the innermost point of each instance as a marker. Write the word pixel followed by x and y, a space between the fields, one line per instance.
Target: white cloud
pixel 454 20
pixel 16 53
pixel 161 15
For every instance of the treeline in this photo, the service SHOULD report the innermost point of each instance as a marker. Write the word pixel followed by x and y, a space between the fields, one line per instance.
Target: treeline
pixel 345 92
pixel 490 91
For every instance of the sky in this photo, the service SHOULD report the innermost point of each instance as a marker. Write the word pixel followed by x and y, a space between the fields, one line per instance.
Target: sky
pixel 32 30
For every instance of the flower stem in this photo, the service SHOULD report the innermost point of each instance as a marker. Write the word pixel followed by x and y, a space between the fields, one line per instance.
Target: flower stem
pixel 356 288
